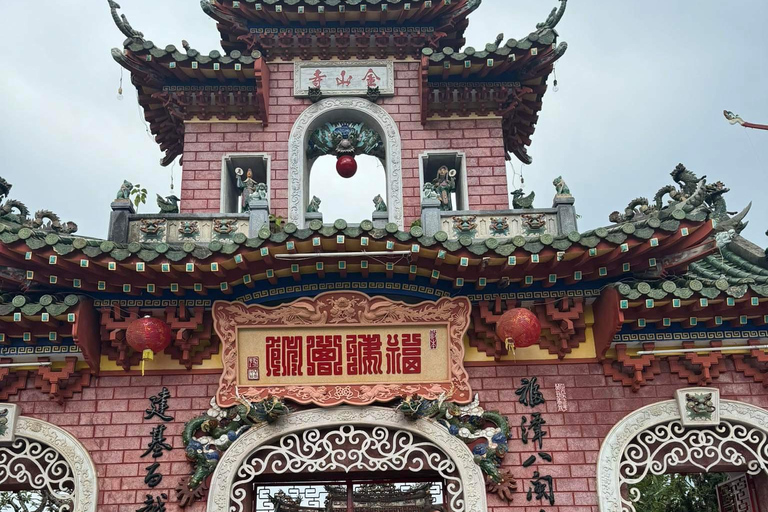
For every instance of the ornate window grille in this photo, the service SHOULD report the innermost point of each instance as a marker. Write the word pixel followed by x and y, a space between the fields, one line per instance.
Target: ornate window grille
pixel 653 441
pixel 347 450
pixel 47 463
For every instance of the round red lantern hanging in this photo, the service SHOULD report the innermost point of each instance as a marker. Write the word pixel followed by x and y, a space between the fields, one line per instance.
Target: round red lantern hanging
pixel 149 336
pixel 346 166
pixel 518 328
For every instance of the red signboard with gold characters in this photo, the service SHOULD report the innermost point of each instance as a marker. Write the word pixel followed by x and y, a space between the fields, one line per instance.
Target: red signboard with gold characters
pixel 343 348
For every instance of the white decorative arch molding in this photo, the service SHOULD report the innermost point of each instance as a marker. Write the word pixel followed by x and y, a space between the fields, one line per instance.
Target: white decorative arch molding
pixel 56 459
pixel 455 456
pixel 653 440
pixel 351 109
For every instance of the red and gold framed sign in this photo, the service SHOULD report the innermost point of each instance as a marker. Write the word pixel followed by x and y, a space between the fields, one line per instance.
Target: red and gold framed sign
pixel 343 348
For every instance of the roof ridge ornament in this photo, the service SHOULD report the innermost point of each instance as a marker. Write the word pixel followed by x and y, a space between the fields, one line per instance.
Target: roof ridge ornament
pixel 122 21
pixel 554 17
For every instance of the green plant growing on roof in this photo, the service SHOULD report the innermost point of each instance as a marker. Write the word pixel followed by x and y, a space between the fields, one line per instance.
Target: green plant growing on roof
pixel 276 223
pixel 139 195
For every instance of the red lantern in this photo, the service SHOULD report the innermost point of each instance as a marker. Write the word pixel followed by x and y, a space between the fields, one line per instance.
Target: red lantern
pixel 346 166
pixel 518 328
pixel 149 336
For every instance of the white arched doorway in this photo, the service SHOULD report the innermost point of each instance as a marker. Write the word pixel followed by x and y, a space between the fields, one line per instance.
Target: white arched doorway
pixel 330 431
pixel 43 457
pixel 656 440
pixel 348 110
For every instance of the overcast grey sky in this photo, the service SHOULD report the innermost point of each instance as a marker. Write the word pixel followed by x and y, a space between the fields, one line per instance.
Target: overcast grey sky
pixel 642 88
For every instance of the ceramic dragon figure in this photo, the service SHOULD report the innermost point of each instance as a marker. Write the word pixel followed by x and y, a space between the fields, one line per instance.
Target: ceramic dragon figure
pixel 208 436
pixel 521 201
pixel 486 432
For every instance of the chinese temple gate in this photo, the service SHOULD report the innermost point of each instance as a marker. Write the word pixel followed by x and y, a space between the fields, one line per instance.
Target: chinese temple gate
pixel 467 348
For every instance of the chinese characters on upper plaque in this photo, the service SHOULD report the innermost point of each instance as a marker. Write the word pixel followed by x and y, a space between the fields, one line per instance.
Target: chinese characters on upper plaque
pixel 343 78
pixel 337 355
pixel 343 347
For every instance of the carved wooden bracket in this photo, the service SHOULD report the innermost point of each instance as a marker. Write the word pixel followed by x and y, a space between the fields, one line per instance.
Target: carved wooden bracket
pixel 11 382
pixel 63 383
pixel 564 320
pixel 192 339
pixel 192 330
pixel 754 365
pixel 114 323
pixel 632 371
pixel 482 334
pixel 699 369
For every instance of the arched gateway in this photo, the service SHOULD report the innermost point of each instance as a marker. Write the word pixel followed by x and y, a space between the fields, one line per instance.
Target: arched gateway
pixel 370 440
pixel 346 110
pixel 660 439
pixel 40 457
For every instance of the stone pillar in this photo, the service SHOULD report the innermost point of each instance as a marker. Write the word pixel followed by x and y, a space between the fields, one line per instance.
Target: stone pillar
pixel 566 214
pixel 430 216
pixel 259 216
pixel 120 221
pixel 380 220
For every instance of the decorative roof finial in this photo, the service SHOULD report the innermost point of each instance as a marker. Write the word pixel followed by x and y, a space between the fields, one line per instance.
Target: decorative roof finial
pixel 554 17
pixel 5 188
pixel 122 22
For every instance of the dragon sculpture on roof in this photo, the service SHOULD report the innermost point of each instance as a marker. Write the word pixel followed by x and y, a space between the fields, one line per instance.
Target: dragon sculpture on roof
pixel 688 193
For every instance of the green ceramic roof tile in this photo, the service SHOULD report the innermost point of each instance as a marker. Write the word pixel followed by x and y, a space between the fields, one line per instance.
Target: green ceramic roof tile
pixel 30 307
pixel 534 247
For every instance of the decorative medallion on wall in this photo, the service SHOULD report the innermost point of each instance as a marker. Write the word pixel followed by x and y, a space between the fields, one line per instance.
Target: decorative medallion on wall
pixel 343 348
pixel 699 407
pixel 343 78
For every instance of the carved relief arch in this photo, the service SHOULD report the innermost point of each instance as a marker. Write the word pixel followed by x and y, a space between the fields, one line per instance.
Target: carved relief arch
pixel 38 456
pixel 347 110
pixel 373 440
pixel 695 433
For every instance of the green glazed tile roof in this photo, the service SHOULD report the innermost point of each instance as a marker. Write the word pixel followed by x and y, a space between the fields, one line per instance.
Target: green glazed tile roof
pixel 29 307
pixel 723 274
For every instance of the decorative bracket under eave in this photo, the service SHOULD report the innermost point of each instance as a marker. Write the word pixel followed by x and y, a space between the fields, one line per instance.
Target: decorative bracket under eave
pixel 699 369
pixel 11 382
pixel 62 383
pixel 754 365
pixel 632 371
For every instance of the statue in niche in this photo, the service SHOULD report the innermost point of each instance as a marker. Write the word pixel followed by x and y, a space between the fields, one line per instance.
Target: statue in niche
pixel 249 188
pixel 429 191
pixel 381 206
pixel 445 185
pixel 314 205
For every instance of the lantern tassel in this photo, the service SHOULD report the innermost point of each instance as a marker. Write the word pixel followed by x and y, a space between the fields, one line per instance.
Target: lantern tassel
pixel 147 355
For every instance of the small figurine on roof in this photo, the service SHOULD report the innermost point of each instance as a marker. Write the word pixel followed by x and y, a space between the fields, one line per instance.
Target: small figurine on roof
pixel 314 205
pixel 381 206
pixel 445 185
pixel 124 194
pixel 561 187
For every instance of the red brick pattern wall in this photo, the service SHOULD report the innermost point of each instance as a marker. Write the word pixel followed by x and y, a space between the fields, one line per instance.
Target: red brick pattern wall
pixel 481 140
pixel 108 419
pixel 595 405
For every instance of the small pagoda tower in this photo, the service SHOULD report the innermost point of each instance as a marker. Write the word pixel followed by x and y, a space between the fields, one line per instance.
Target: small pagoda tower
pixel 301 79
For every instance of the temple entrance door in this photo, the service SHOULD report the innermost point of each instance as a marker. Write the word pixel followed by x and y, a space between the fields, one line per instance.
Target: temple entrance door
pixel 368 459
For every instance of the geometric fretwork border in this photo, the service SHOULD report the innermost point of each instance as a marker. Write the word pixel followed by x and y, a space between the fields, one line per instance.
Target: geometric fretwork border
pixel 689 336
